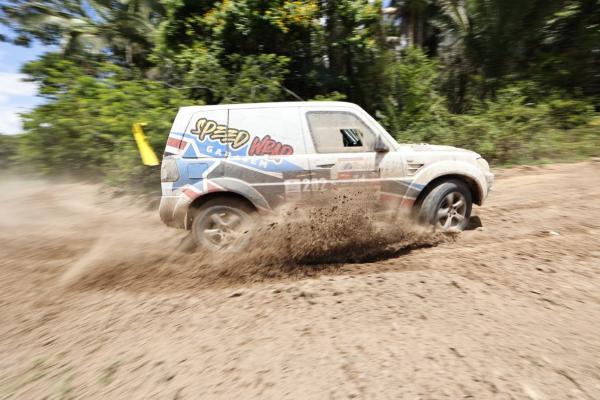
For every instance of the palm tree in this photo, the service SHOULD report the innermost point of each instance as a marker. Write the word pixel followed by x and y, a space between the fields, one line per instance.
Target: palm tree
pixel 124 28
pixel 456 35
pixel 412 19
pixel 453 21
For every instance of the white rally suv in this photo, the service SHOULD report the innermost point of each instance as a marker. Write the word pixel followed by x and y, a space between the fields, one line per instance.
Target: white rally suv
pixel 224 163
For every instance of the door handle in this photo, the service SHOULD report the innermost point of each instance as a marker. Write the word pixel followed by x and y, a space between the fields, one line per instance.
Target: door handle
pixel 325 165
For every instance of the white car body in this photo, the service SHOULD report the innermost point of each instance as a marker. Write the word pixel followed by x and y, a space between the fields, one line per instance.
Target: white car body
pixel 270 153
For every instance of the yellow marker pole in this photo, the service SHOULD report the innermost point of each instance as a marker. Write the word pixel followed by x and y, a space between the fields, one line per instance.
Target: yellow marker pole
pixel 148 155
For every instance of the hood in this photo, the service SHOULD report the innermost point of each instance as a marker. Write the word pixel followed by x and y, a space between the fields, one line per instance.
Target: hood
pixel 436 148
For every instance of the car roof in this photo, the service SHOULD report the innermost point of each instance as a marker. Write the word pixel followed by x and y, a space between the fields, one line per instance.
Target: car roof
pixel 271 105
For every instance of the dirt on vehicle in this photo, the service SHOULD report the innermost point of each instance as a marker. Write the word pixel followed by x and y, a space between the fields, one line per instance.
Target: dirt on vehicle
pixel 99 300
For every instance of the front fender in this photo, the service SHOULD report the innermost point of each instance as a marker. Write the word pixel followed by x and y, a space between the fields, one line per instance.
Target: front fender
pixel 453 167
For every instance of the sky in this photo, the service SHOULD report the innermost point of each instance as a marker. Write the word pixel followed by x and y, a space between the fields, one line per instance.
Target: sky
pixel 16 96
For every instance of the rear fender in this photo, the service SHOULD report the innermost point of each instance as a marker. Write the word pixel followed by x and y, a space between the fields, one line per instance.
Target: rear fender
pixel 241 188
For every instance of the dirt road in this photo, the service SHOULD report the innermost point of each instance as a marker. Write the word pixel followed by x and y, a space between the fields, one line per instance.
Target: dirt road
pixel 93 304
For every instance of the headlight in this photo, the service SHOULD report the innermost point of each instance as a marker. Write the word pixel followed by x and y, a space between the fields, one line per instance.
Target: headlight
pixel 483 164
pixel 168 170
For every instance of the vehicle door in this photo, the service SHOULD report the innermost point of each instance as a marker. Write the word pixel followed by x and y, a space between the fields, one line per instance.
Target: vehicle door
pixel 343 155
pixel 273 159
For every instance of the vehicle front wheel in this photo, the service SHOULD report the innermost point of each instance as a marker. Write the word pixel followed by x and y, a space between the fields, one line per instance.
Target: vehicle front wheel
pixel 223 225
pixel 447 206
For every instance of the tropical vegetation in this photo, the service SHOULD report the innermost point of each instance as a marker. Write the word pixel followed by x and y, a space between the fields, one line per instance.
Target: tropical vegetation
pixel 517 81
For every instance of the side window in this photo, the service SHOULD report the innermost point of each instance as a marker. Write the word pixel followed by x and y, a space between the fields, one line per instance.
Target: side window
pixel 339 132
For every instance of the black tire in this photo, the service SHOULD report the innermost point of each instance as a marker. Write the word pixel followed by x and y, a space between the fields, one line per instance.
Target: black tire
pixel 447 206
pixel 223 224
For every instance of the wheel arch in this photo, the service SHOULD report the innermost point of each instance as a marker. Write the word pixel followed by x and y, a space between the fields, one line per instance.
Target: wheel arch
pixel 471 182
pixel 199 201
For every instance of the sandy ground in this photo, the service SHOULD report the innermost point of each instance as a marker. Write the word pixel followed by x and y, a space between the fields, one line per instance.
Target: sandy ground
pixel 92 306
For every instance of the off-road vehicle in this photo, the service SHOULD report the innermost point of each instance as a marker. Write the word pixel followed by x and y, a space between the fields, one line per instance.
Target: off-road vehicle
pixel 225 163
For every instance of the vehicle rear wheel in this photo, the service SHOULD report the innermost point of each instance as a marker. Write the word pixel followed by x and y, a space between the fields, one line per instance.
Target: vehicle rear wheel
pixel 447 206
pixel 223 225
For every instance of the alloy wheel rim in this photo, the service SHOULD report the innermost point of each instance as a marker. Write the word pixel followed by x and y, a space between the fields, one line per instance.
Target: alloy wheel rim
pixel 452 211
pixel 224 228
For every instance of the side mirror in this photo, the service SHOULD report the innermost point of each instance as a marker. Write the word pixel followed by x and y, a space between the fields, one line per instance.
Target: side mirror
pixel 380 145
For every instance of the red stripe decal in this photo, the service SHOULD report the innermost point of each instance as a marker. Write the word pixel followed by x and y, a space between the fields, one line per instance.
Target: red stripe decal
pixel 174 142
pixel 211 187
pixel 407 202
pixel 391 197
pixel 190 193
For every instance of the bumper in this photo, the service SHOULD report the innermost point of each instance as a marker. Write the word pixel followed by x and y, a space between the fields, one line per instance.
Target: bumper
pixel 489 182
pixel 489 179
pixel 173 211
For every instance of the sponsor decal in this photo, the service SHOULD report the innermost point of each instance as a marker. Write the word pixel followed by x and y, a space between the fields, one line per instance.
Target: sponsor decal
pixel 210 139
pixel 237 138
pixel 209 128
pixel 306 185
pixel 357 175
pixel 261 163
pixel 268 146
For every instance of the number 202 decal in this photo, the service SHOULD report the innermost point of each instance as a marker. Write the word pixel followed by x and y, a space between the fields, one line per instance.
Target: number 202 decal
pixel 306 185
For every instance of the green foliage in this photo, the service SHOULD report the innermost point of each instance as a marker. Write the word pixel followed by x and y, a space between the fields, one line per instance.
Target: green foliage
pixel 507 129
pixel 259 79
pixel 8 150
pixel 85 129
pixel 484 45
pixel 514 80
pixel 512 129
pixel 333 96
pixel 205 44
pixel 254 78
pixel 570 113
pixel 414 111
pixel 568 55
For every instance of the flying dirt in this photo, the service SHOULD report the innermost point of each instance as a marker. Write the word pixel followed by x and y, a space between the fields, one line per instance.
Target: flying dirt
pixel 98 299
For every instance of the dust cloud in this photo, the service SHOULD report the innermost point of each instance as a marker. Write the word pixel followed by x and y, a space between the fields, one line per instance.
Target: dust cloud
pixel 108 241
